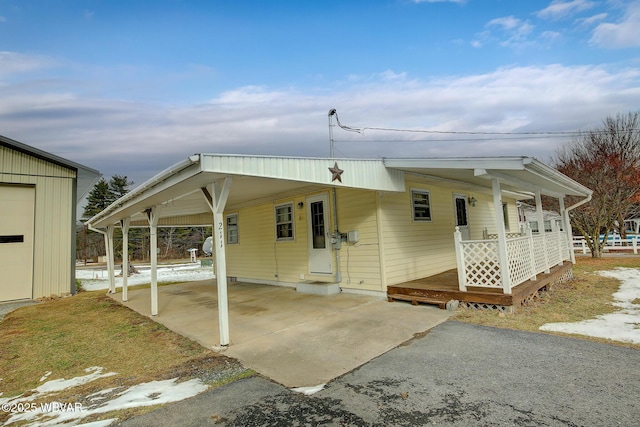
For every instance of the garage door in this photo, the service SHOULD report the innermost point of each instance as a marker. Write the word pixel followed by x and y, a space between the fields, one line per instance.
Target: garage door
pixel 17 205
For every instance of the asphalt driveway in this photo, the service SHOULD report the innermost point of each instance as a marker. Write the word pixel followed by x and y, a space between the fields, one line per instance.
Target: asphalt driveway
pixel 456 375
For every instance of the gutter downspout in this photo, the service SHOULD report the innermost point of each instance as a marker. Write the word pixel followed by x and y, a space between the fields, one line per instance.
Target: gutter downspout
pixel 568 223
pixel 110 266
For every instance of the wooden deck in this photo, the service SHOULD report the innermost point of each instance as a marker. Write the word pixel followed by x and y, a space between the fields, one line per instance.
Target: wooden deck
pixel 443 287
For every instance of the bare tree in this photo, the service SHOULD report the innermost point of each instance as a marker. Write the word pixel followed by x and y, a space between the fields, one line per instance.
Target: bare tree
pixel 607 160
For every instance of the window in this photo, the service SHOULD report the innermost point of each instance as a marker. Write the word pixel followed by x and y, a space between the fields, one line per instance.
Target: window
pixel 421 205
pixel 232 228
pixel 284 222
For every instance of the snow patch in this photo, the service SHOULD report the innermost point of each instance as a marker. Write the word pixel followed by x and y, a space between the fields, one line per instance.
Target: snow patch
pixel 622 325
pixel 96 279
pixel 145 394
pixel 308 391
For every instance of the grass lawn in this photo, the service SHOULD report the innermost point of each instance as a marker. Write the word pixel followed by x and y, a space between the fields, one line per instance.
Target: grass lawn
pixel 585 297
pixel 68 335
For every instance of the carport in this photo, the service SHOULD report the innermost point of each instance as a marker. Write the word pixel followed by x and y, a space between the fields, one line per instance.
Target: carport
pixel 296 339
pixel 197 191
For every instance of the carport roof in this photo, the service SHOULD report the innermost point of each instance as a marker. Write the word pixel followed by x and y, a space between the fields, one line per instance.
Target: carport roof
pixel 257 179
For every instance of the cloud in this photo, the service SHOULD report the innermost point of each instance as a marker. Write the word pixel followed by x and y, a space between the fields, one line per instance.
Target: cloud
pixel 592 19
pixel 561 9
pixel 515 31
pixel 138 139
pixel 623 34
pixel 14 64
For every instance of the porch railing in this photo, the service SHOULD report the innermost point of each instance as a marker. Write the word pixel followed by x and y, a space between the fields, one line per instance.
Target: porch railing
pixel 527 256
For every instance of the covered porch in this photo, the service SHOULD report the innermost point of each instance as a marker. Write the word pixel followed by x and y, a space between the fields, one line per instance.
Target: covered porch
pixel 442 288
pixel 503 269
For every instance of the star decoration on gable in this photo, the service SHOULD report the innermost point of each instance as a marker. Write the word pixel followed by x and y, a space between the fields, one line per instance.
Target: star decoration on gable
pixel 336 172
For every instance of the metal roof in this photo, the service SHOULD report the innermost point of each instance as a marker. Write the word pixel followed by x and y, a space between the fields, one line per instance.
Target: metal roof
pixel 516 174
pixel 260 179
pixel 85 176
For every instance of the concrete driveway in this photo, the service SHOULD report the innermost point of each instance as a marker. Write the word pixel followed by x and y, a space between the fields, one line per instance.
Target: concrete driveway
pixel 295 339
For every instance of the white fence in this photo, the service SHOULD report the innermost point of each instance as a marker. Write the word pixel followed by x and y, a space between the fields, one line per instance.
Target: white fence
pixel 527 256
pixel 614 243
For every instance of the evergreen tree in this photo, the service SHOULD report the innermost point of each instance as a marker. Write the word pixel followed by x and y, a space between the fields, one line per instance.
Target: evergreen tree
pixel 119 186
pixel 99 198
pixel 104 193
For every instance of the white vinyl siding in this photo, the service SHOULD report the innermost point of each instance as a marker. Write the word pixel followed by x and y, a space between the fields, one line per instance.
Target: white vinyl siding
pixel 414 249
pixel 360 263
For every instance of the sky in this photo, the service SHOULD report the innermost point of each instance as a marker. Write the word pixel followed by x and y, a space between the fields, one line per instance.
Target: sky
pixel 131 88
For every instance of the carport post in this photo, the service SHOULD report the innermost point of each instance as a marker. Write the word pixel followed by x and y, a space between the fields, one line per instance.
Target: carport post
pixel 108 237
pixel 125 256
pixel 153 215
pixel 219 195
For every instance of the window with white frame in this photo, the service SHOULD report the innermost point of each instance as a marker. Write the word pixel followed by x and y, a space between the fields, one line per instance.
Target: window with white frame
pixel 232 228
pixel 284 222
pixel 421 205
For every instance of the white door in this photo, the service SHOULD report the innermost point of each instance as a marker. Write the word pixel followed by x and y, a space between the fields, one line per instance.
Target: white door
pixel 462 219
pixel 17 207
pixel 320 255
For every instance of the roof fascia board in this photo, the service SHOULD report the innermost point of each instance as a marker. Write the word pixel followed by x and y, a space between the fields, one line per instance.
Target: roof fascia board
pixel 366 174
pixel 540 169
pixel 505 163
pixel 521 183
pixel 165 179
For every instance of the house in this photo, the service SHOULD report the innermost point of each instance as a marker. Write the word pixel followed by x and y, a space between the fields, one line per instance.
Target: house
pixel 529 218
pixel 39 193
pixel 360 226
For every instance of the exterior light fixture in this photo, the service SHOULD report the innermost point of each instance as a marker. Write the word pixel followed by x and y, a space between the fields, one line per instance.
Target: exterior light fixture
pixel 472 201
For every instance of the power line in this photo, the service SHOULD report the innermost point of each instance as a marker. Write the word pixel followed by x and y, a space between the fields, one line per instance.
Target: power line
pixel 449 139
pixel 546 134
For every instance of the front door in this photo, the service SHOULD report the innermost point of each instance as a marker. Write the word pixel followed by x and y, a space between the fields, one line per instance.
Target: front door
pixel 462 220
pixel 320 256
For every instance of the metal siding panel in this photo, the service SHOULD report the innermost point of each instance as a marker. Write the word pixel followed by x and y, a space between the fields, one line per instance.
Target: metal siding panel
pixel 52 220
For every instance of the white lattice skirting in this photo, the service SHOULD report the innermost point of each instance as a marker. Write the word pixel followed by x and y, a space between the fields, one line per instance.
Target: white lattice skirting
pixel 562 277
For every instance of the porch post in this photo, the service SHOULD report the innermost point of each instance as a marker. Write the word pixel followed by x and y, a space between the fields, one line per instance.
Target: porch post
pixel 503 258
pixel 153 216
pixel 568 231
pixel 541 230
pixel 125 256
pixel 219 194
pixel 532 252
pixel 110 261
pixel 462 277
